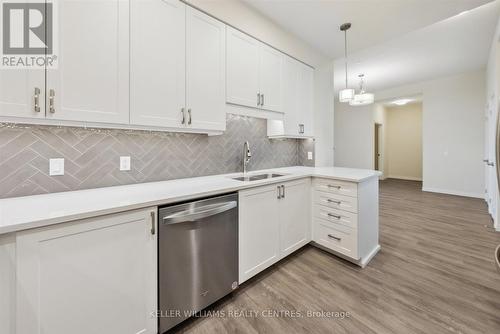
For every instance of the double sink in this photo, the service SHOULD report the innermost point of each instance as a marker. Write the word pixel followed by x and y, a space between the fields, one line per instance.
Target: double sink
pixel 247 178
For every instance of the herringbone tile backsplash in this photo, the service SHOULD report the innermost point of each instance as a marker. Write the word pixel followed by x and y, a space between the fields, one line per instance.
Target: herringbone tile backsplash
pixel 92 155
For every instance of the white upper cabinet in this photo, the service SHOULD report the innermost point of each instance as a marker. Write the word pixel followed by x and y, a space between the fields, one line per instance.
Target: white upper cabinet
pixel 242 69
pixel 91 82
pixel 22 93
pixel 305 101
pixel 253 72
pixel 177 72
pixel 157 62
pixel 298 105
pixel 205 71
pixel 270 78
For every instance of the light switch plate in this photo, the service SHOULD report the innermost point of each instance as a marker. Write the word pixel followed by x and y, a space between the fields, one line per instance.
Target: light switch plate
pixel 125 163
pixel 56 166
pixel 309 155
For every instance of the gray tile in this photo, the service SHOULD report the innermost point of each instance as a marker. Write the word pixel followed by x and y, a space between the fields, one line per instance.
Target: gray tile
pixel 92 155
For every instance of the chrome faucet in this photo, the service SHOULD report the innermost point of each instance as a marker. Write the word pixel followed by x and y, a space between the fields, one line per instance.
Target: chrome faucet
pixel 246 156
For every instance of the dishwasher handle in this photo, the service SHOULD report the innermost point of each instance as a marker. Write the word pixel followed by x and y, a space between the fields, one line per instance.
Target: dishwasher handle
pixel 195 214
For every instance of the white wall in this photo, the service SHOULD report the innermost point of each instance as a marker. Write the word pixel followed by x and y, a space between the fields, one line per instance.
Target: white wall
pixel 404 141
pixel 453 132
pixel 247 19
pixel 354 134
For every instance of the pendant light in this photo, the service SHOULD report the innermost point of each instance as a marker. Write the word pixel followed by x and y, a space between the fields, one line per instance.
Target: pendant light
pixel 346 94
pixel 363 98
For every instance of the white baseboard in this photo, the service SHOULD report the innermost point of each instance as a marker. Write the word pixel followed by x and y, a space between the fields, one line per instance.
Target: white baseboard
pixel 453 192
pixel 408 178
pixel 364 262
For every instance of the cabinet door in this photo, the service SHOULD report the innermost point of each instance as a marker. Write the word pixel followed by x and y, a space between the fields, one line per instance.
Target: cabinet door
pixel 290 96
pixel 91 81
pixel 270 78
pixel 295 216
pixel 157 62
pixel 305 102
pixel 205 71
pixel 242 68
pixel 17 93
pixel 258 230
pixel 92 276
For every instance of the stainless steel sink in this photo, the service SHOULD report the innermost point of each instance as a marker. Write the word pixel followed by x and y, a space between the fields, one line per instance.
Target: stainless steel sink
pixel 257 177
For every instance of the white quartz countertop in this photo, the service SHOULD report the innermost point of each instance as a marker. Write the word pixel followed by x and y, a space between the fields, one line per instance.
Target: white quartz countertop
pixel 21 213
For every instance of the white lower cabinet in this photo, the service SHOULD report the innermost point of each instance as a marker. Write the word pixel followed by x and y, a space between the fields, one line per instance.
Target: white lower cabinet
pixel 345 218
pixel 294 216
pixel 91 276
pixel 274 221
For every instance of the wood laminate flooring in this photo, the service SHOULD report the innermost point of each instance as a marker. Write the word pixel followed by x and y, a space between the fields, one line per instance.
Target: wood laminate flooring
pixel 434 274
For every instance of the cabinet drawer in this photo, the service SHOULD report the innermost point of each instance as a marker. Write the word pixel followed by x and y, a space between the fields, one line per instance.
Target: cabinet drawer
pixel 336 201
pixel 341 217
pixel 336 237
pixel 337 187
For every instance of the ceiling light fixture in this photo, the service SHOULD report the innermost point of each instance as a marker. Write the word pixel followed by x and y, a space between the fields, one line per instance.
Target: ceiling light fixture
pixel 402 102
pixel 346 94
pixel 363 98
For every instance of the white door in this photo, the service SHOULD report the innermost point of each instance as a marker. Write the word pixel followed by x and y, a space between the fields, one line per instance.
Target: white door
pixel 258 230
pixel 157 63
pixel 20 90
pixel 305 99
pixel 290 96
pixel 92 276
pixel 242 52
pixel 270 78
pixel 205 71
pixel 91 82
pixel 295 217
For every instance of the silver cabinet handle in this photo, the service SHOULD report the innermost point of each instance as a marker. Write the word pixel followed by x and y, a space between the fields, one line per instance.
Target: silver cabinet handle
pixel 491 164
pixel 331 236
pixel 258 99
pixel 334 216
pixel 332 186
pixel 52 96
pixel 301 128
pixel 283 187
pixel 37 99
pixel 183 116
pixel 279 191
pixel 333 201
pixel 262 102
pixel 153 222
pixel 190 118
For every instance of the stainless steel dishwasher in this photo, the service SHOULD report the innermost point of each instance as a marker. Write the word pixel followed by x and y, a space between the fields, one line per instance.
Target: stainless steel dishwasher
pixel 197 256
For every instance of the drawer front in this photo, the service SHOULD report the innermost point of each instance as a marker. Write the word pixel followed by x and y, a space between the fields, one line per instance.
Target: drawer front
pixel 337 187
pixel 336 237
pixel 337 216
pixel 335 201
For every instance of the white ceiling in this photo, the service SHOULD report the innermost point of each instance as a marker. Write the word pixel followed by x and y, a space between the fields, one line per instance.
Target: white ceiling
pixel 393 42
pixel 373 21
pixel 457 44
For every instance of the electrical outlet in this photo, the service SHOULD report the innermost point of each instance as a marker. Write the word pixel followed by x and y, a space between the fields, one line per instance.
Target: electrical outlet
pixel 309 155
pixel 56 166
pixel 124 163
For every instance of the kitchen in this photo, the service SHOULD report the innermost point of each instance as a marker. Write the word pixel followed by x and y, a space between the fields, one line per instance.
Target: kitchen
pixel 168 159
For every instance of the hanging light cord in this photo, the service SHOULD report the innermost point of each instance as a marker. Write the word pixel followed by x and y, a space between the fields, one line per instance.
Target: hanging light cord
pixel 345 54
